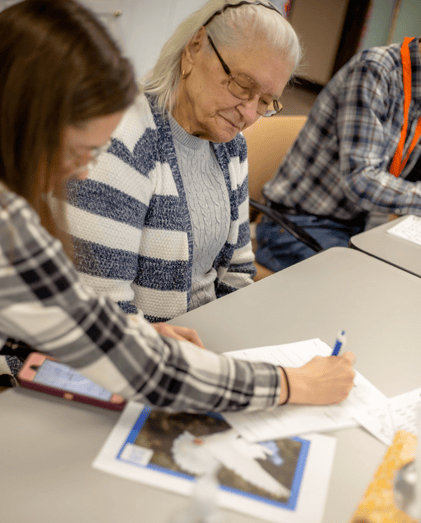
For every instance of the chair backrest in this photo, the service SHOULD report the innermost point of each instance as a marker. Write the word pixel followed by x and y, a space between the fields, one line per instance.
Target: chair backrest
pixel 268 141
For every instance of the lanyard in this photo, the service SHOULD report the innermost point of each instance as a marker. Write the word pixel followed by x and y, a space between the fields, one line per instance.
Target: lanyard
pixel 398 164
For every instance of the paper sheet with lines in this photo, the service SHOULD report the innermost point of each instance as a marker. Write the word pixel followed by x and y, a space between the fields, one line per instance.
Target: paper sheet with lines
pixel 406 411
pixel 408 229
pixel 401 412
pixel 292 420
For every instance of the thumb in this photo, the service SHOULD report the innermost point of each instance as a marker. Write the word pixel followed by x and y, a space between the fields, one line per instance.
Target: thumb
pixel 350 356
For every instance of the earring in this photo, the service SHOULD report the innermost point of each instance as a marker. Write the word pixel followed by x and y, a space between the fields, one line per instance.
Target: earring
pixel 184 75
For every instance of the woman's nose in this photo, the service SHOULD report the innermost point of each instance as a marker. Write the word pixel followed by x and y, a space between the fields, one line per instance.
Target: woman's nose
pixel 248 110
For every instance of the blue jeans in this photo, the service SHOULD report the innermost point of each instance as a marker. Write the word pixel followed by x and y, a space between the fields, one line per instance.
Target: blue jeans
pixel 278 249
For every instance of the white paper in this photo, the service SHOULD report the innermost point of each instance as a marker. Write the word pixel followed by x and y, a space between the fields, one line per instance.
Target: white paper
pixel 384 418
pixel 404 411
pixel 408 229
pixel 141 432
pixel 289 420
pixel 377 419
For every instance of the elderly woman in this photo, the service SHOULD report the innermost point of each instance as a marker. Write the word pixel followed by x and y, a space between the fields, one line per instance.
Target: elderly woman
pixel 161 225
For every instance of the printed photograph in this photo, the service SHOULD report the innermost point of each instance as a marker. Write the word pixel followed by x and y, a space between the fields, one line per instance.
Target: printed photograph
pixel 194 445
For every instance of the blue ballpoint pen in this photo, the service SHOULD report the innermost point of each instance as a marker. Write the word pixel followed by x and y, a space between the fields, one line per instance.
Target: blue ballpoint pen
pixel 340 341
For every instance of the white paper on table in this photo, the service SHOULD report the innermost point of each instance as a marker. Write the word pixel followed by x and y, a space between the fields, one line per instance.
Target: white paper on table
pixel 290 420
pixel 404 411
pixel 390 415
pixel 408 229
pixel 377 419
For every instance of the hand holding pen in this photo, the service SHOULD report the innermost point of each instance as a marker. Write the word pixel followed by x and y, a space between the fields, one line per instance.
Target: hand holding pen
pixel 323 380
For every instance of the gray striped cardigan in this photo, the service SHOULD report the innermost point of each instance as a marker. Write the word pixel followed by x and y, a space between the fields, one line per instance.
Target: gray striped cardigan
pixel 131 225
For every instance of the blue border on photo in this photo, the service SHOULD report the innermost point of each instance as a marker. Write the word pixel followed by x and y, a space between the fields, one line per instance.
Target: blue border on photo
pixel 296 482
pixel 137 427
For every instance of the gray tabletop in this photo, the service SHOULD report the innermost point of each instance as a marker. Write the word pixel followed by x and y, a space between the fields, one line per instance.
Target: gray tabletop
pixel 398 252
pixel 47 445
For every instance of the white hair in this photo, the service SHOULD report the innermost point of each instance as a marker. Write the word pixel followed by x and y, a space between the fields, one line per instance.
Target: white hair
pixel 237 27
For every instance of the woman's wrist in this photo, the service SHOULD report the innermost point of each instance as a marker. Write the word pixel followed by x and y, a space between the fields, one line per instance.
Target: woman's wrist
pixel 285 387
pixel 294 389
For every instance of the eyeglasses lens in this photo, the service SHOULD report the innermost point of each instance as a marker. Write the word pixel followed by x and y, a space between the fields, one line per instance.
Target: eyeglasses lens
pixel 245 89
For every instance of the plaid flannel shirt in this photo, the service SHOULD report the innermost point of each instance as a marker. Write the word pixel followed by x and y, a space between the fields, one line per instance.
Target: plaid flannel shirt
pixel 43 303
pixel 339 164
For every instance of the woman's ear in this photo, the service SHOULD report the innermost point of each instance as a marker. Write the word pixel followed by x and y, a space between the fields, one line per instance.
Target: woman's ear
pixel 194 48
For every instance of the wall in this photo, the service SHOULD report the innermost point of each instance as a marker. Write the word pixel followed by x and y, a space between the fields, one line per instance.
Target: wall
pixel 378 24
pixel 378 27
pixel 143 26
pixel 149 24
pixel 318 24
pixel 408 22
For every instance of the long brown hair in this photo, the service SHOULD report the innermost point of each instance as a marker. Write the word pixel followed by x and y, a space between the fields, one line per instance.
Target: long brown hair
pixel 58 67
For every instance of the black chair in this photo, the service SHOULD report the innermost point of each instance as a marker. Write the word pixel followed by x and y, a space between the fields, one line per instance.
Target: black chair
pixel 280 219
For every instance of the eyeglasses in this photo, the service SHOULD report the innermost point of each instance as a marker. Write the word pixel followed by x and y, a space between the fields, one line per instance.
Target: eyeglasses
pixel 244 88
pixel 94 153
pixel 244 2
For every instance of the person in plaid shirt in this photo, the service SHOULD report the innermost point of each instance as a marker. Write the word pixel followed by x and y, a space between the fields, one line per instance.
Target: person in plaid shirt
pixel 64 87
pixel 339 168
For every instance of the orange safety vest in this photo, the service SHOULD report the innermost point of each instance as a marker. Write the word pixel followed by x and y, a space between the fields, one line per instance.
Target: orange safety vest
pixel 397 165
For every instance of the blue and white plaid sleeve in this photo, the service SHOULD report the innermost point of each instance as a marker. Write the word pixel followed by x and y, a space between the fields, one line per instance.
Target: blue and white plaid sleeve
pixel 339 164
pixel 369 121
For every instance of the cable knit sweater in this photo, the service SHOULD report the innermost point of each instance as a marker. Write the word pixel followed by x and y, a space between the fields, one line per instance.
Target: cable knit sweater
pixel 209 206
pixel 131 224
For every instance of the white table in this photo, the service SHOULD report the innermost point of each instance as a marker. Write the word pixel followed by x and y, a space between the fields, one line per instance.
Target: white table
pixel 376 304
pixel 398 252
pixel 47 445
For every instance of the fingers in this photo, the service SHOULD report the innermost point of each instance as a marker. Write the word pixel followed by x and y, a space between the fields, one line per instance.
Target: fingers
pixel 188 334
pixel 178 333
pixel 160 328
pixel 193 337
